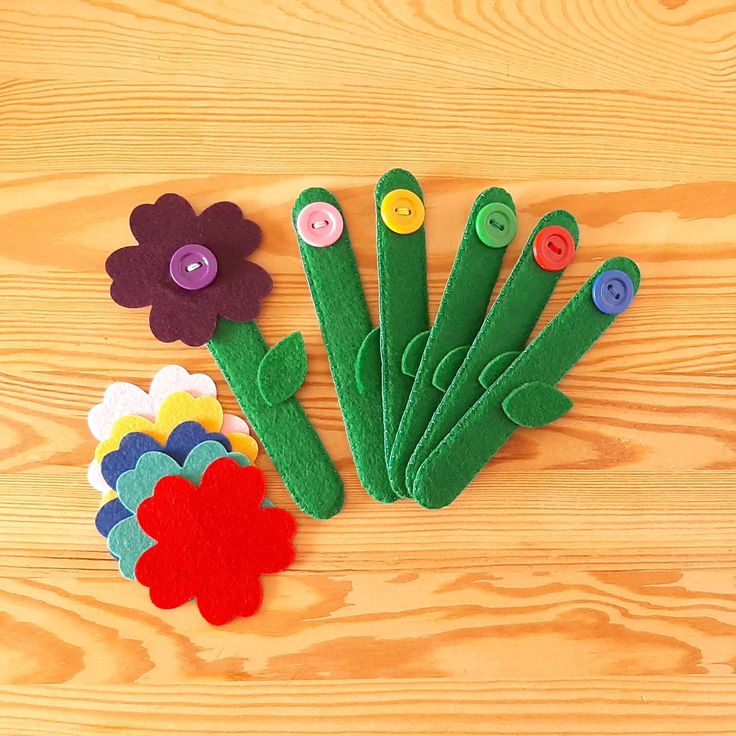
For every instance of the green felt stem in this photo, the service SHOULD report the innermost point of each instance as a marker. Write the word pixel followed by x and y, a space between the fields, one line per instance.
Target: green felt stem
pixel 506 328
pixel 283 429
pixel 402 302
pixel 342 311
pixel 486 427
pixel 460 314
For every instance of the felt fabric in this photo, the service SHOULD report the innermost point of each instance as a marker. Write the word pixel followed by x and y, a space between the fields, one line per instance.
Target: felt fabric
pixel 175 409
pixel 412 356
pixel 460 314
pixel 95 479
pixel 125 399
pixel 496 366
pixel 352 346
pixel 126 540
pixel 109 515
pixel 284 430
pixel 535 404
pixel 486 427
pixel 402 305
pixel 283 369
pixel 448 367
pixel 141 273
pixel 506 328
pixel 214 541
pixel 182 440
pixel 368 365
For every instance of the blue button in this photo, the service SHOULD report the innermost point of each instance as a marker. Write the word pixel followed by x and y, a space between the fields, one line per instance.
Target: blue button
pixel 613 291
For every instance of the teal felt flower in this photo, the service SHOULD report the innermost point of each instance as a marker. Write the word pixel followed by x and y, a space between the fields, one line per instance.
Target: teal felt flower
pixel 127 541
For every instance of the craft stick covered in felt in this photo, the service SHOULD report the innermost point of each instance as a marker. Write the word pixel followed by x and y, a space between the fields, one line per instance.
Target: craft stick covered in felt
pixel 348 334
pixel 525 394
pixel 491 227
pixel 192 270
pixel 285 432
pixel 503 333
pixel 402 289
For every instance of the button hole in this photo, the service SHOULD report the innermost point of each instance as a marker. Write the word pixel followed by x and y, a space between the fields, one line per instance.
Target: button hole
pixel 193 266
pixel 319 224
pixel 402 211
pixel 612 291
pixel 498 225
pixel 555 249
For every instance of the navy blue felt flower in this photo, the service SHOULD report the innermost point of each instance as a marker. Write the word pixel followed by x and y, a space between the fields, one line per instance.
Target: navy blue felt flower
pixel 182 440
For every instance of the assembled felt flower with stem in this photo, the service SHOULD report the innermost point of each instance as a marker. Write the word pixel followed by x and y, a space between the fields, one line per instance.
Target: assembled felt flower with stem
pixel 192 271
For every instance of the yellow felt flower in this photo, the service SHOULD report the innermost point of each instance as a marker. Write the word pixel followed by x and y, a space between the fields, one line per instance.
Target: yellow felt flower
pixel 175 409
pixel 245 444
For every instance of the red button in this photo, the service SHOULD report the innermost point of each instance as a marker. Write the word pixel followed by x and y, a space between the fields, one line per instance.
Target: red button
pixel 554 248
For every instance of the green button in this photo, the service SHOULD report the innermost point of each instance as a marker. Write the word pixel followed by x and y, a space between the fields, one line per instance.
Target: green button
pixel 495 224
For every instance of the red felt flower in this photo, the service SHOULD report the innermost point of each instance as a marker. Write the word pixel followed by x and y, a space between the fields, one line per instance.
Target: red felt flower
pixel 214 541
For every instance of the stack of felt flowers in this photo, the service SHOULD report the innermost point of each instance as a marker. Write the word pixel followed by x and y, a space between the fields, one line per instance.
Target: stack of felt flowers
pixel 183 507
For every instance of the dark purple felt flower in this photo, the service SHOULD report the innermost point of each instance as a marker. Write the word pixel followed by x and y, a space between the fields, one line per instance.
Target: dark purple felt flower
pixel 188 287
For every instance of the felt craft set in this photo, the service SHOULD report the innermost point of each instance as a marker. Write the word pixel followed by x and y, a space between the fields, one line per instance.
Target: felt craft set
pixel 452 392
pixel 425 405
pixel 182 505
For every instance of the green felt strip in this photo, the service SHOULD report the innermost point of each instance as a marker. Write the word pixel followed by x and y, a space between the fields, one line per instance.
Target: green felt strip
pixel 402 302
pixel 351 342
pixel 460 314
pixel 284 429
pixel 506 328
pixel 486 427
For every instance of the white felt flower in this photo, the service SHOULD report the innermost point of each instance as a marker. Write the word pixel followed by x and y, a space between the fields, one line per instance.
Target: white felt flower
pixel 95 479
pixel 125 399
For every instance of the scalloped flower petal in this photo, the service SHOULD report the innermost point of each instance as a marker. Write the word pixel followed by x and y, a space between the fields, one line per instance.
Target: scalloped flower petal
pixel 126 540
pixel 175 409
pixel 125 399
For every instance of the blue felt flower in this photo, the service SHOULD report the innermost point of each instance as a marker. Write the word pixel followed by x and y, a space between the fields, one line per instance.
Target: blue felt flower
pixel 182 440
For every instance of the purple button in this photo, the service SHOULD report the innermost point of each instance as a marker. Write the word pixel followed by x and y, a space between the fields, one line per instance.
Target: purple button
pixel 193 267
pixel 613 291
pixel 319 224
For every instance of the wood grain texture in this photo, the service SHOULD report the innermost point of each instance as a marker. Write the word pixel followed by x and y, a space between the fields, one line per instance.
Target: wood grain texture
pixel 586 582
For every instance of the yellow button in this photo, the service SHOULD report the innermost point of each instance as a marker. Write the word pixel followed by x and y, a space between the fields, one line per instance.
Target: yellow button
pixel 402 211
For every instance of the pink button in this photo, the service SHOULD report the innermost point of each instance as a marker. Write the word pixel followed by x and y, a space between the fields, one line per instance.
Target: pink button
pixel 319 224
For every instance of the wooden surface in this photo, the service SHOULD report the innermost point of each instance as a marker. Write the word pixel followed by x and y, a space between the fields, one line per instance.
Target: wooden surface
pixel 586 582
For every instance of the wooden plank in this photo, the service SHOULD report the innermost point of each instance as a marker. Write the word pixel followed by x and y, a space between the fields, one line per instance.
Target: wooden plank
pixel 606 706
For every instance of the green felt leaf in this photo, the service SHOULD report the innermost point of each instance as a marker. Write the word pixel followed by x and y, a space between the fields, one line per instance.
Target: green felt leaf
pixel 490 374
pixel 412 356
pixel 536 404
pixel 448 367
pixel 283 369
pixel 368 362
